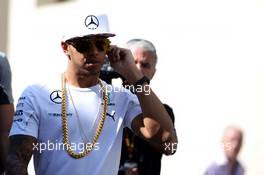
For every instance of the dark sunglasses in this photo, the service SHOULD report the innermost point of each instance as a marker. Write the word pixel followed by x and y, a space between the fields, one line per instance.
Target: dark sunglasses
pixel 85 44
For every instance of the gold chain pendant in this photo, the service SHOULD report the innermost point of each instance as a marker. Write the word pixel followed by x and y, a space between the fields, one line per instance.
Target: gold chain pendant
pixel 65 130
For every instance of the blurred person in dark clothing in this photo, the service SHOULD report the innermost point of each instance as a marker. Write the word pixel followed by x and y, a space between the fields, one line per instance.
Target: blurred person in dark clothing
pixel 6 108
pixel 138 157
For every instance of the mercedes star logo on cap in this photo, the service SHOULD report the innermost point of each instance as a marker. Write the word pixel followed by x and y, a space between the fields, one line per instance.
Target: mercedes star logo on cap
pixel 91 22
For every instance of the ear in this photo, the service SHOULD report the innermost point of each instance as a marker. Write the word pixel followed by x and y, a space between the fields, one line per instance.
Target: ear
pixel 64 47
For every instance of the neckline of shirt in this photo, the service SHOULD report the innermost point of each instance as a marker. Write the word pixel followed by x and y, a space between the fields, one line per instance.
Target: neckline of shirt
pixel 92 88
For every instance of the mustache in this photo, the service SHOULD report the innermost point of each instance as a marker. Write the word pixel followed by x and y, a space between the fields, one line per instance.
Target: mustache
pixel 90 60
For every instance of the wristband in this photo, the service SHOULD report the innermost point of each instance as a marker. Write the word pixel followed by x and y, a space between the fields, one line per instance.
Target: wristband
pixel 141 81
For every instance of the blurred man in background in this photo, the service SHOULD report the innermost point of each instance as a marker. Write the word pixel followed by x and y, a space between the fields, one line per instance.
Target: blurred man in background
pixel 138 156
pixel 229 165
pixel 6 108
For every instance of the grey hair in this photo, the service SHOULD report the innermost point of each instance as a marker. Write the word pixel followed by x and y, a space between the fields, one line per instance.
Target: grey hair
pixel 144 44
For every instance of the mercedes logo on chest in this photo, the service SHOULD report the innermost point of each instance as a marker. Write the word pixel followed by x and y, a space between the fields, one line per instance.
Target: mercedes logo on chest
pixel 55 97
pixel 91 22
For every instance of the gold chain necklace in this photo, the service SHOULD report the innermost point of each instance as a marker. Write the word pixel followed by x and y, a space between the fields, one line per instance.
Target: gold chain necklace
pixel 82 133
pixel 65 130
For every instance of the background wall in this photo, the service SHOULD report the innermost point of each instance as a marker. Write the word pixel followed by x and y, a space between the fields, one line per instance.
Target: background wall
pixel 3 25
pixel 210 68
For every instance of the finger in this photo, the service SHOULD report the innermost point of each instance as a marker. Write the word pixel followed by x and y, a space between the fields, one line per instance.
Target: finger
pixel 123 53
pixel 114 54
pixel 110 53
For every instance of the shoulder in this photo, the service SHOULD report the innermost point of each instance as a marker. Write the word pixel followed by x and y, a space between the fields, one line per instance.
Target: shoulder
pixel 30 94
pixel 53 83
pixel 3 60
pixel 38 90
pixel 212 168
pixel 119 90
pixel 241 168
pixel 2 56
pixel 122 97
pixel 34 88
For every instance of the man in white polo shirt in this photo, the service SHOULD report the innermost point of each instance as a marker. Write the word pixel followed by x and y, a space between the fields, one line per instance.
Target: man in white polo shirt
pixel 74 125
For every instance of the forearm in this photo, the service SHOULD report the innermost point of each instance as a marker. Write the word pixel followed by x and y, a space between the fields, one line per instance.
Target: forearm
pixel 19 155
pixel 15 166
pixel 3 149
pixel 6 116
pixel 154 124
pixel 155 116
